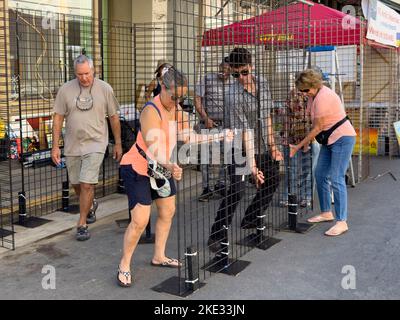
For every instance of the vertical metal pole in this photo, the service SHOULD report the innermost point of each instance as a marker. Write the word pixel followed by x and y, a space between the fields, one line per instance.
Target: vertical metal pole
pixel 102 77
pixel 290 162
pixel 22 208
pixel 148 230
pixel 309 25
pixel 10 177
pixel 225 233
pixel 174 60
pixel 260 214
pixel 292 210
pixel 65 48
pixel 121 187
pixel 134 71
pixel 292 198
pixel 192 281
pixel 21 194
pixel 100 21
pixel 101 40
pixel 65 196
pixel 65 184
pixel 361 132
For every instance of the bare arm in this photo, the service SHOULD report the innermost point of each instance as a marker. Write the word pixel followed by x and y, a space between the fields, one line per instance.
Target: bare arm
pixel 317 128
pixel 202 112
pixel 187 135
pixel 275 153
pixel 116 130
pixel 199 107
pixel 248 141
pixel 57 126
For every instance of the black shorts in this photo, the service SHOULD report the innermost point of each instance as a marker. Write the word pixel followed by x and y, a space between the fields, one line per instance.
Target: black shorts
pixel 138 188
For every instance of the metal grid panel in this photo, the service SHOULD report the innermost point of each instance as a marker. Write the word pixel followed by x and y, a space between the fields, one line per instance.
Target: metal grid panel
pixel 41 58
pixel 380 96
pixel 276 60
pixel 6 180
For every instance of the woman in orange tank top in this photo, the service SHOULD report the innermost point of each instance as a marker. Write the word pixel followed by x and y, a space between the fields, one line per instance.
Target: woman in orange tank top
pixel 162 123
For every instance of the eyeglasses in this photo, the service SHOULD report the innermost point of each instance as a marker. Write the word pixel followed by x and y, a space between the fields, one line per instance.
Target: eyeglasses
pixel 84 103
pixel 245 72
pixel 175 98
pixel 305 90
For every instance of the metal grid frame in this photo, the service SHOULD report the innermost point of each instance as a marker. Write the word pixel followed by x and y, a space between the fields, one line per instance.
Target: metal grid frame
pixel 7 239
pixel 194 219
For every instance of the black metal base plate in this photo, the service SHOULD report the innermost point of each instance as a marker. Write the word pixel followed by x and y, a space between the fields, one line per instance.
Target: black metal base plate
pixel 300 227
pixel 175 286
pixel 258 241
pixel 226 266
pixel 33 222
pixel 5 233
pixel 72 209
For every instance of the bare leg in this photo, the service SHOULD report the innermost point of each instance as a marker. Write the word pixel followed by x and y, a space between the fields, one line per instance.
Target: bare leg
pixel 140 216
pixel 166 211
pixel 86 196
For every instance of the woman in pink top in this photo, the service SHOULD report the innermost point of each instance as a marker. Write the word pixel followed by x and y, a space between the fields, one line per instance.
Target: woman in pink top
pixel 162 122
pixel 327 111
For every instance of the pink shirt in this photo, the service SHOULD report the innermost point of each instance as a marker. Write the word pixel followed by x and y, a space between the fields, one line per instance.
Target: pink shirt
pixel 327 104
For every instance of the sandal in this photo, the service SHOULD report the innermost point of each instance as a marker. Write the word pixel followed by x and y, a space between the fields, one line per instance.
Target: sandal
pixel 319 218
pixel 335 231
pixel 126 274
pixel 169 263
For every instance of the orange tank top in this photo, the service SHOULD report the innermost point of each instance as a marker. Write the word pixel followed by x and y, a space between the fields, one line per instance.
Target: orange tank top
pixel 168 129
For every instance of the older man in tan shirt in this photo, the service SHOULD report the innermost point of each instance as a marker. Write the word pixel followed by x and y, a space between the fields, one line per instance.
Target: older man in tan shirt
pixel 85 103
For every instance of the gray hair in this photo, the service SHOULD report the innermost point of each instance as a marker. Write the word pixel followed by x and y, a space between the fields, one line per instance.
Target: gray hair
pixel 83 59
pixel 308 79
pixel 174 77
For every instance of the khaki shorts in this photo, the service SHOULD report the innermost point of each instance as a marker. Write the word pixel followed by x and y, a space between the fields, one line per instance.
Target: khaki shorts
pixel 84 169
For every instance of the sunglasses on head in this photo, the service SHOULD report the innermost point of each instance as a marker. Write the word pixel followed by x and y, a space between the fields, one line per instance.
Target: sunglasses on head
pixel 245 72
pixel 305 90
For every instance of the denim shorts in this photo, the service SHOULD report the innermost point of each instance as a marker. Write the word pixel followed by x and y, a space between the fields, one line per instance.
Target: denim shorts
pixel 138 189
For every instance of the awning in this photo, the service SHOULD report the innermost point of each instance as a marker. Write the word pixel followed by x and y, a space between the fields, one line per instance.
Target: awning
pixel 289 25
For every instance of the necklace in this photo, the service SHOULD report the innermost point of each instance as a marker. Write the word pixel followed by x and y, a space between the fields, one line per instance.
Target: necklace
pixel 85 103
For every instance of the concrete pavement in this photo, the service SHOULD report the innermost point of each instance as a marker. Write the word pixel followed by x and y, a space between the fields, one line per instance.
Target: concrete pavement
pixel 362 264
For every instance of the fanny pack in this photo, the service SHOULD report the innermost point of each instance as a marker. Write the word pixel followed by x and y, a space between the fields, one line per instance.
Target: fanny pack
pixel 154 170
pixel 323 136
pixel 159 176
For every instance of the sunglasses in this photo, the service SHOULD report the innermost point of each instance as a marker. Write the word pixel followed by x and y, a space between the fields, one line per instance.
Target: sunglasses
pixel 175 98
pixel 245 72
pixel 179 99
pixel 305 90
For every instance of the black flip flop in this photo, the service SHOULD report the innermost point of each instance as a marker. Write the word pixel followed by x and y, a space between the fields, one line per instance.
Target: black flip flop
pixel 126 274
